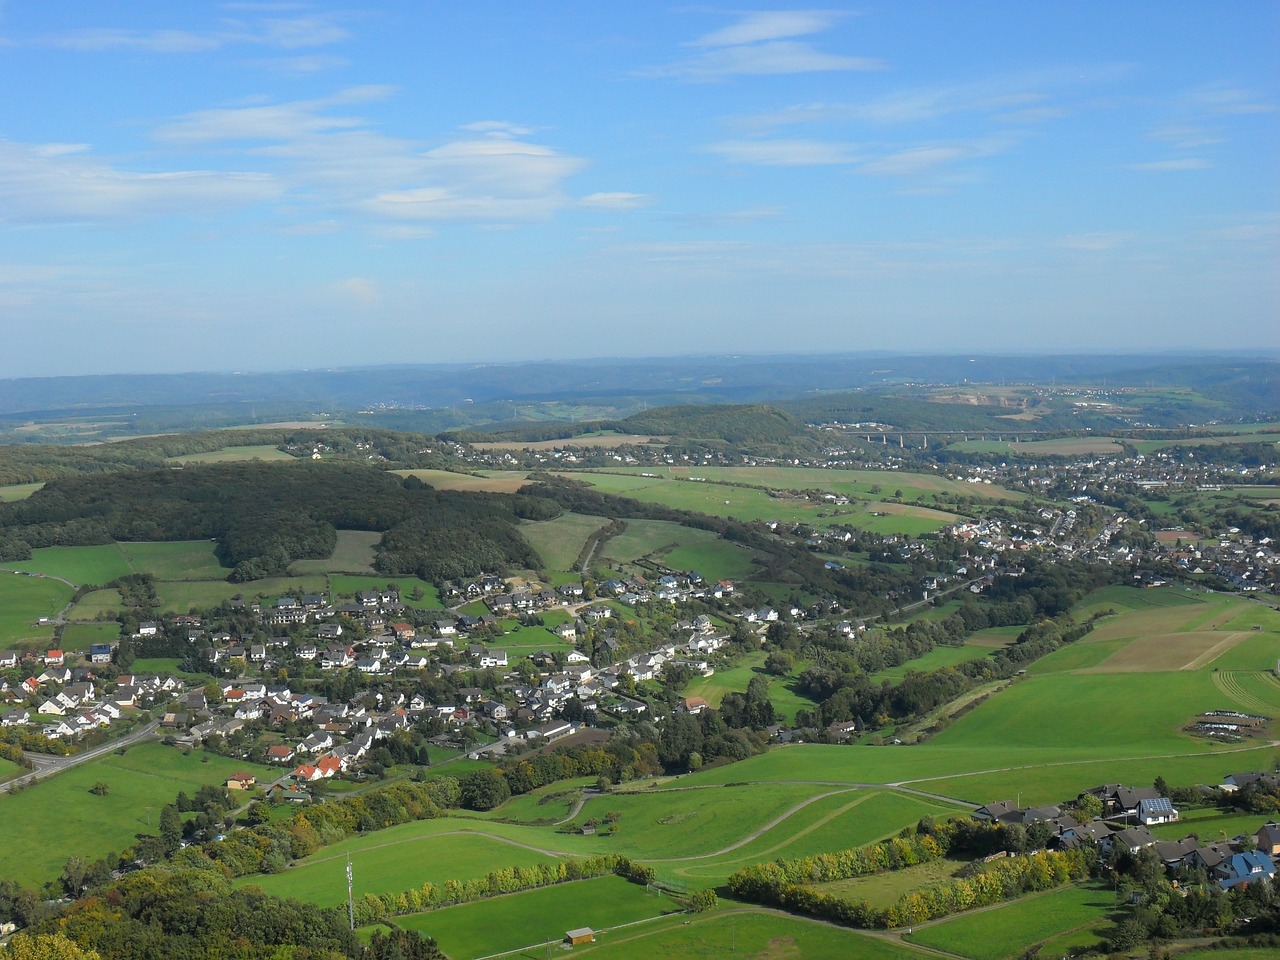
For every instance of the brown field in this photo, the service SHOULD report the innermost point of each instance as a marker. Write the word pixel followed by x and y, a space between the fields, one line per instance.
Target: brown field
pixel 1189 650
pixel 1156 622
pixel 910 510
pixel 1173 536
pixel 495 481
pixel 606 440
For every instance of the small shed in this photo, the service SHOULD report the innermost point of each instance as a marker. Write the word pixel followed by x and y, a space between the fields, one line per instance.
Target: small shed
pixel 581 935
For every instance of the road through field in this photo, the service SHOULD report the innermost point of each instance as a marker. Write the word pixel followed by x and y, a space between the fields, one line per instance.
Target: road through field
pixel 47 766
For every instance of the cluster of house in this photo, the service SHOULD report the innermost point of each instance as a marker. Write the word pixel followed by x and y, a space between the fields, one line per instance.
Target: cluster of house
pixel 1248 564
pixel 1128 814
pixel 72 702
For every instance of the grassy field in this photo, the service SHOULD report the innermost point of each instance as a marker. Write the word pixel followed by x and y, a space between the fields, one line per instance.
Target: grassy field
pixel 679 548
pixel 737 933
pixel 23 601
pixel 522 919
pixel 559 541
pixel 493 481
pixel 935 659
pixel 322 878
pixel 80 636
pixel 1065 447
pixel 263 451
pixel 785 698
pixel 1009 930
pixel 353 554
pixel 18 491
pixel 100 564
pixel 178 560
pixel 884 889
pixel 140 783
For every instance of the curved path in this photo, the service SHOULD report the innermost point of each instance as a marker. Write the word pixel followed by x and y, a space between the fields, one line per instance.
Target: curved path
pixel 47 766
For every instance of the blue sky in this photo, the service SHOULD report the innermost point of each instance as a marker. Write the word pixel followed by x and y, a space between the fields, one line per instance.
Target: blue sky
pixel 195 186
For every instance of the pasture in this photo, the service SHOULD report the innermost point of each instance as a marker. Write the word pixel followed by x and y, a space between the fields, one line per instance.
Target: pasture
pixel 862 484
pixel 175 560
pixel 462 855
pixel 80 636
pixel 601 439
pixel 884 889
pixel 678 548
pixel 1065 447
pixel 24 601
pixel 263 451
pixel 742 932
pixel 80 565
pixel 353 554
pixel 782 693
pixel 935 659
pixel 492 481
pixel 17 491
pixel 524 919
pixel 140 782
pixel 1008 930
pixel 560 541
pixel 348 586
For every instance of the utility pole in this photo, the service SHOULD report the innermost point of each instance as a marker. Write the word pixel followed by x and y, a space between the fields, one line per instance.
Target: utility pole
pixel 351 903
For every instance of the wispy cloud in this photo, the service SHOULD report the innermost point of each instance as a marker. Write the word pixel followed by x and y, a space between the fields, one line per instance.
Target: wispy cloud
pixel 285 33
pixel 615 201
pixel 1095 242
pixel 761 44
pixel 50 183
pixel 915 161
pixel 498 128
pixel 785 153
pixel 1173 166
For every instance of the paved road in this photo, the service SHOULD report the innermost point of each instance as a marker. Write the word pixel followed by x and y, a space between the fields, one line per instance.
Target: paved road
pixel 47 766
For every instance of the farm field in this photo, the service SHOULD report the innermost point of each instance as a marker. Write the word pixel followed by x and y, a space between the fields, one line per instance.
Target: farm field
pixel 263 451
pixel 604 440
pixel 322 878
pixel 142 781
pixel 80 636
pixel 1009 930
pixel 17 491
pixel 179 596
pixel 1065 447
pixel 748 933
pixel 177 560
pixel 523 919
pixel 838 819
pixel 23 601
pixel 494 481
pixel 735 679
pixel 884 889
pixel 560 541
pixel 100 564
pixel 935 659
pixel 853 483
pixel 679 548
pixel 353 554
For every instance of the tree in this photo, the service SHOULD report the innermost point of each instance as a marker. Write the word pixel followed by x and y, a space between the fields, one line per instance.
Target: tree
pixel 100 789
pixel 484 790
pixel 779 663
pixel 47 946
pixel 170 827
pixel 703 900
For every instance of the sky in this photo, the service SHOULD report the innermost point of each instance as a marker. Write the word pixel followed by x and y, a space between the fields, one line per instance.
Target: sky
pixel 190 186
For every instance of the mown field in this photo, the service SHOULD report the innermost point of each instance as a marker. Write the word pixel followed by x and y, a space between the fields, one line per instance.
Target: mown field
pixel 560 541
pixel 1008 930
pixel 782 690
pixel 263 451
pixel 353 554
pixel 59 818
pixel 494 481
pixel 678 548
pixel 23 601
pixel 525 919
pixel 17 491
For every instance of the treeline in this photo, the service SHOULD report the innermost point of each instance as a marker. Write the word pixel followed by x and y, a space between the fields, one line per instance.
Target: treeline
pixel 786 883
pixel 372 908
pixel 167 913
pixel 265 516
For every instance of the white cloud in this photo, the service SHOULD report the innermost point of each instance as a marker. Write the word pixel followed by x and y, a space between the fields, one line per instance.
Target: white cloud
pixel 784 153
pixel 770 25
pixel 498 128
pixel 1173 166
pixel 762 44
pixel 915 161
pixel 360 289
pixel 615 201
pixel 285 33
pixel 1095 241
pixel 150 41
pixel 1186 136
pixel 47 183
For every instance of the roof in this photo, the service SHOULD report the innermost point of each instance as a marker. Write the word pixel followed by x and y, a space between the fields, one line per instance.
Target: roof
pixel 580 932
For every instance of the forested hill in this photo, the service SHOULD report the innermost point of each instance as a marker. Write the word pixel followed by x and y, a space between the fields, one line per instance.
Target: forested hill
pixel 265 516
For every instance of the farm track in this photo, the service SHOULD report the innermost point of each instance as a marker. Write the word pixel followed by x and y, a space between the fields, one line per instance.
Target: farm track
pixel 1214 652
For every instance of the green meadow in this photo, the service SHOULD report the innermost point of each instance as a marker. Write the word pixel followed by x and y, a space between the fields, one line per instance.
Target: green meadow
pixel 24 601
pixel 100 564
pixel 1009 930
pixel 17 491
pixel 560 541
pixel 738 932
pixel 524 919
pixel 263 451
pixel 353 554
pixel 140 782
pixel 322 878
pixel 782 693
pixel 678 548
pixel 347 586
pixel 81 636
